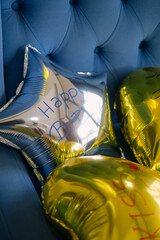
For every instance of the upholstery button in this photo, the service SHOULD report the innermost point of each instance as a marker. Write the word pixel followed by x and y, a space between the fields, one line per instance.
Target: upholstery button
pixel 97 50
pixel 71 2
pixel 15 6
pixel 49 56
pixel 142 44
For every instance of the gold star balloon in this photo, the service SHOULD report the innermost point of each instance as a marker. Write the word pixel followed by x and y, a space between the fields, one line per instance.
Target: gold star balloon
pixel 138 108
pixel 103 198
pixel 52 120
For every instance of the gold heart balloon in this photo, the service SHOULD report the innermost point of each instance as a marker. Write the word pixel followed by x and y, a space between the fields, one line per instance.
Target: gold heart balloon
pixel 103 198
pixel 138 108
pixel 52 120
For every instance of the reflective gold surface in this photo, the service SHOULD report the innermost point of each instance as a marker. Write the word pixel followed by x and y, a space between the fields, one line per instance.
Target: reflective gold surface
pixel 104 198
pixel 138 108
pixel 65 150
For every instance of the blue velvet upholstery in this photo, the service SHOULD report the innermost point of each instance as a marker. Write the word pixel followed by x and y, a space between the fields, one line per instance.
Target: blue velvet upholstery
pixel 21 215
pixel 2 87
pixel 115 37
pixel 94 35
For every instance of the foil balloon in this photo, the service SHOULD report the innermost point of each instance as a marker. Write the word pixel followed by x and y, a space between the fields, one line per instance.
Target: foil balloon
pixel 103 198
pixel 52 120
pixel 138 108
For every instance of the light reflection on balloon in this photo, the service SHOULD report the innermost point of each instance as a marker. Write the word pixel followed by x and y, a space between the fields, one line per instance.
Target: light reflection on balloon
pixel 51 120
pixel 88 131
pixel 138 108
pixel 104 198
pixel 90 197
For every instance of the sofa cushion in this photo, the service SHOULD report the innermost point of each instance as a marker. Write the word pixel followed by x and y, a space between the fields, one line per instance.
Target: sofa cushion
pixel 21 211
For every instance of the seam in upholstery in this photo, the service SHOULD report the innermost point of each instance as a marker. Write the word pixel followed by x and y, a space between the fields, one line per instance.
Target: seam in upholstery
pixel 140 23
pixel 31 30
pixel 73 9
pixel 64 37
pixel 152 35
pixel 148 55
pixel 89 23
pixel 115 28
pixel 109 66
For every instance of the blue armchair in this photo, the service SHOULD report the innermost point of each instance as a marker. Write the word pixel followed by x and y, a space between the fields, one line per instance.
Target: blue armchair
pixel 113 37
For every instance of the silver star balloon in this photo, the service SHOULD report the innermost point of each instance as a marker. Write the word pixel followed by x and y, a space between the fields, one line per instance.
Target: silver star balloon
pixel 51 120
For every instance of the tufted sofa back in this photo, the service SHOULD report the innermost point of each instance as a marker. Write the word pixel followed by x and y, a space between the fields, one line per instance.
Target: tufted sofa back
pixel 101 36
pixel 115 36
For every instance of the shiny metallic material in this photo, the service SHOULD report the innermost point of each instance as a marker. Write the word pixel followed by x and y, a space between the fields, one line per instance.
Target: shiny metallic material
pixel 104 198
pixel 138 108
pixel 51 120
pixel 65 150
pixel 106 135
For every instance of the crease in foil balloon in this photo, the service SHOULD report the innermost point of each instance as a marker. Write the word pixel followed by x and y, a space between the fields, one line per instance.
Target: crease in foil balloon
pixel 138 107
pixel 92 197
pixel 52 120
